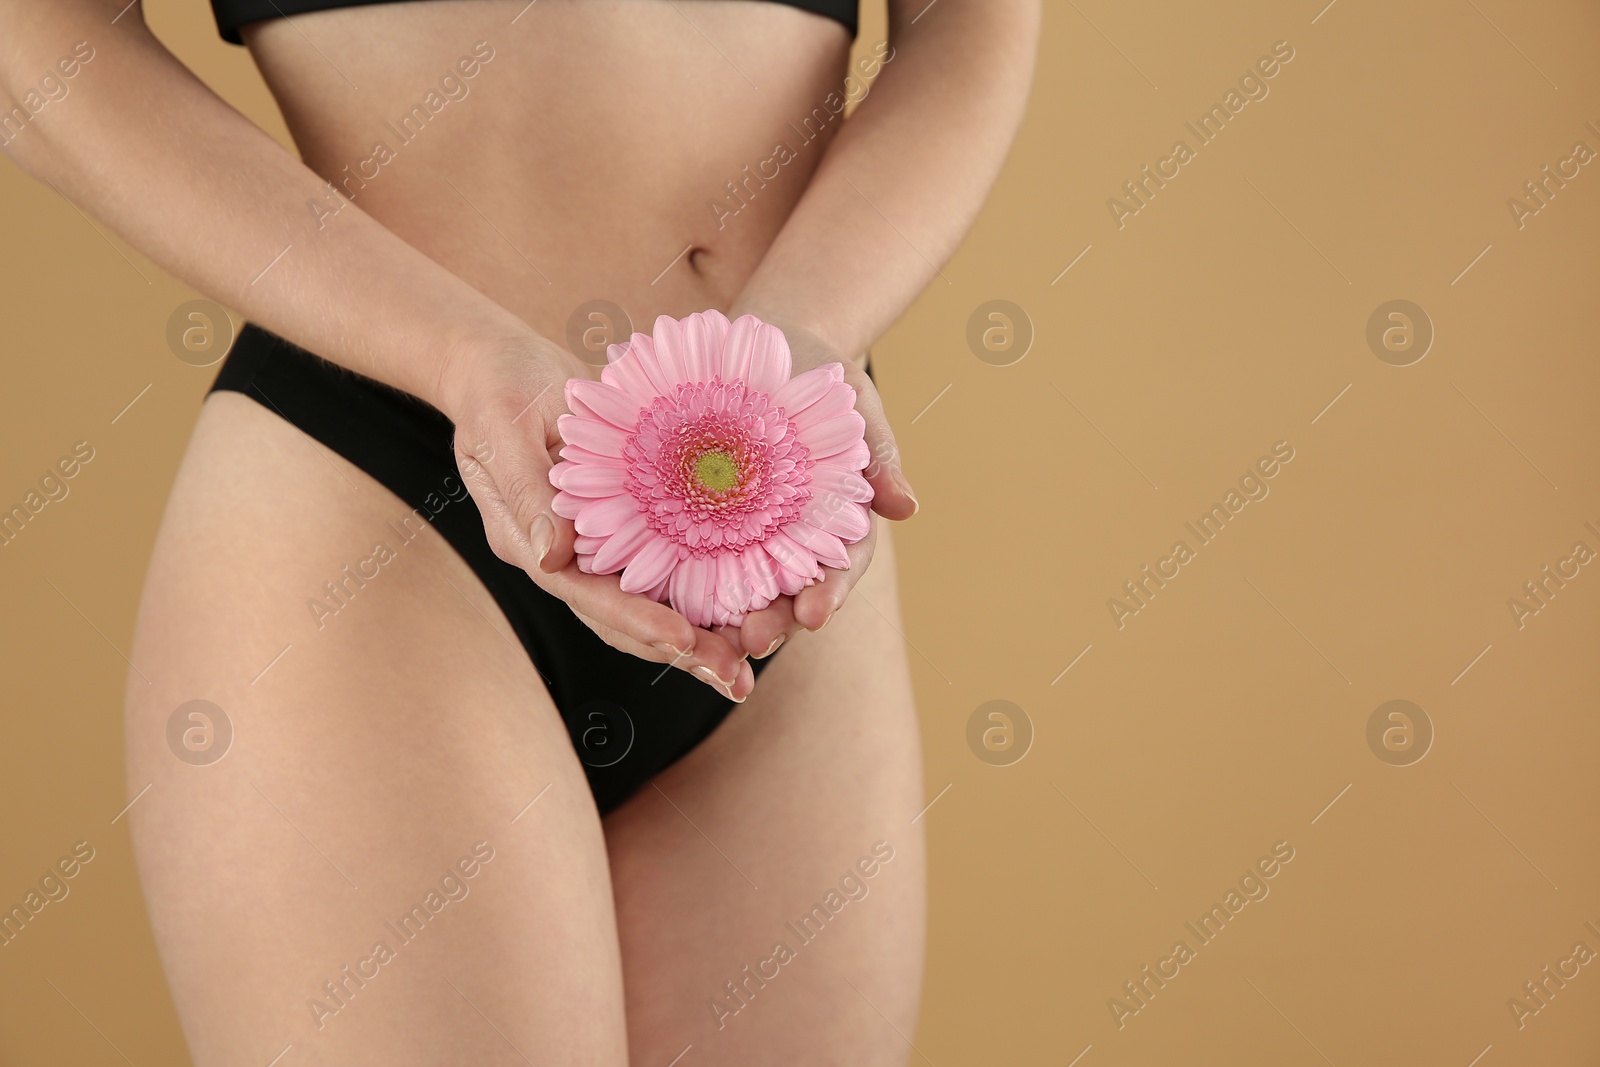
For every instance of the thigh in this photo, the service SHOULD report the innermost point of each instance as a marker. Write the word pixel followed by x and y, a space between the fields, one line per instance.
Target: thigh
pixel 361 875
pixel 770 887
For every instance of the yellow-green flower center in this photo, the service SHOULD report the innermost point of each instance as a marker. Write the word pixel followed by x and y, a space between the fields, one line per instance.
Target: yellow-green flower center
pixel 717 471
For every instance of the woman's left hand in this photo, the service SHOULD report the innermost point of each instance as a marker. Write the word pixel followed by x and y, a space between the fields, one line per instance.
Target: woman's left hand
pixel 763 631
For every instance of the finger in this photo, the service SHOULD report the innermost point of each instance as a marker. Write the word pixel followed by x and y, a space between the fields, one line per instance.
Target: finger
pixel 523 474
pixel 765 630
pixel 712 660
pixel 892 497
pixel 560 553
pixel 625 643
pixel 735 636
pixel 561 550
pixel 507 466
pixel 816 604
pixel 662 634
pixel 505 502
pixel 506 538
pixel 720 664
pixel 665 633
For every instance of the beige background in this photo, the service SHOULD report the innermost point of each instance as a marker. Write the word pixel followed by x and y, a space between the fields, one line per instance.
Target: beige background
pixel 1230 712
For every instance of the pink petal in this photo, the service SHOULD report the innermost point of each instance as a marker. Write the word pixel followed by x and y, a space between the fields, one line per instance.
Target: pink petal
pixel 708 595
pixel 846 520
pixel 827 548
pixel 805 389
pixel 618 552
pixel 703 334
pixel 839 399
pixel 642 354
pixel 733 586
pixel 588 458
pixel 761 571
pixel 737 346
pixel 691 589
pixel 854 458
pixel 596 436
pixel 607 516
pixel 607 402
pixel 831 436
pixel 628 375
pixel 790 583
pixel 588 546
pixel 671 350
pixel 588 479
pixel 829 479
pixel 769 360
pixel 791 556
pixel 568 506
pixel 651 566
pixel 721 616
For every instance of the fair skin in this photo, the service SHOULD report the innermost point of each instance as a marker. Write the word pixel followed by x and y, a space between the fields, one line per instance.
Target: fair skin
pixel 384 746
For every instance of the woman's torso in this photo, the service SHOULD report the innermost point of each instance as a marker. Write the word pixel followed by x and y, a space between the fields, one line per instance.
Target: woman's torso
pixel 573 154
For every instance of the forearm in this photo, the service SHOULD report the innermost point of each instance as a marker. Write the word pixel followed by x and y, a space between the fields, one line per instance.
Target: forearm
pixel 905 177
pixel 144 146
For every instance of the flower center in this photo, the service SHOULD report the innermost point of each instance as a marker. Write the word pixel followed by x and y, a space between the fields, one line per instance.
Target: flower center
pixel 714 467
pixel 716 470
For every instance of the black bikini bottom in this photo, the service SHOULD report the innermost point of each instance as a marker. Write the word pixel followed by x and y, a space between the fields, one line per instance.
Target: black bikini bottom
pixel 629 718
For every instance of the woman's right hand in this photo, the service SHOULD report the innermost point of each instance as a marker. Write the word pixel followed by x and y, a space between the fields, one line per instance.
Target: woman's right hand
pixel 504 398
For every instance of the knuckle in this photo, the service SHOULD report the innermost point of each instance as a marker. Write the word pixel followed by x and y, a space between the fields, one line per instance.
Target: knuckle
pixel 524 495
pixel 476 458
pixel 616 639
pixel 474 450
pixel 502 544
pixel 635 614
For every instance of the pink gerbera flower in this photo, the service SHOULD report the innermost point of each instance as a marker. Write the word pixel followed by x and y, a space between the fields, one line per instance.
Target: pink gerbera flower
pixel 712 480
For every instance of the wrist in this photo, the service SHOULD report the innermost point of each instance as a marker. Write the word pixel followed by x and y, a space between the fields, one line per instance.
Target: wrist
pixel 499 357
pixel 775 313
pixel 806 336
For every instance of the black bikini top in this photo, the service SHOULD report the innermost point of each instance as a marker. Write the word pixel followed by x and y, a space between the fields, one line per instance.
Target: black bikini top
pixel 231 14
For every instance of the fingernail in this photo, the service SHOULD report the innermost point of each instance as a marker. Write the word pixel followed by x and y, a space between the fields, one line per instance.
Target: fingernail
pixel 899 478
pixel 710 677
pixel 543 534
pixel 776 641
pixel 668 648
pixel 747 677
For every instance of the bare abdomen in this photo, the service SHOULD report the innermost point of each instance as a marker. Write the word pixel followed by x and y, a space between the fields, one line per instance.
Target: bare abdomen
pixel 636 151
